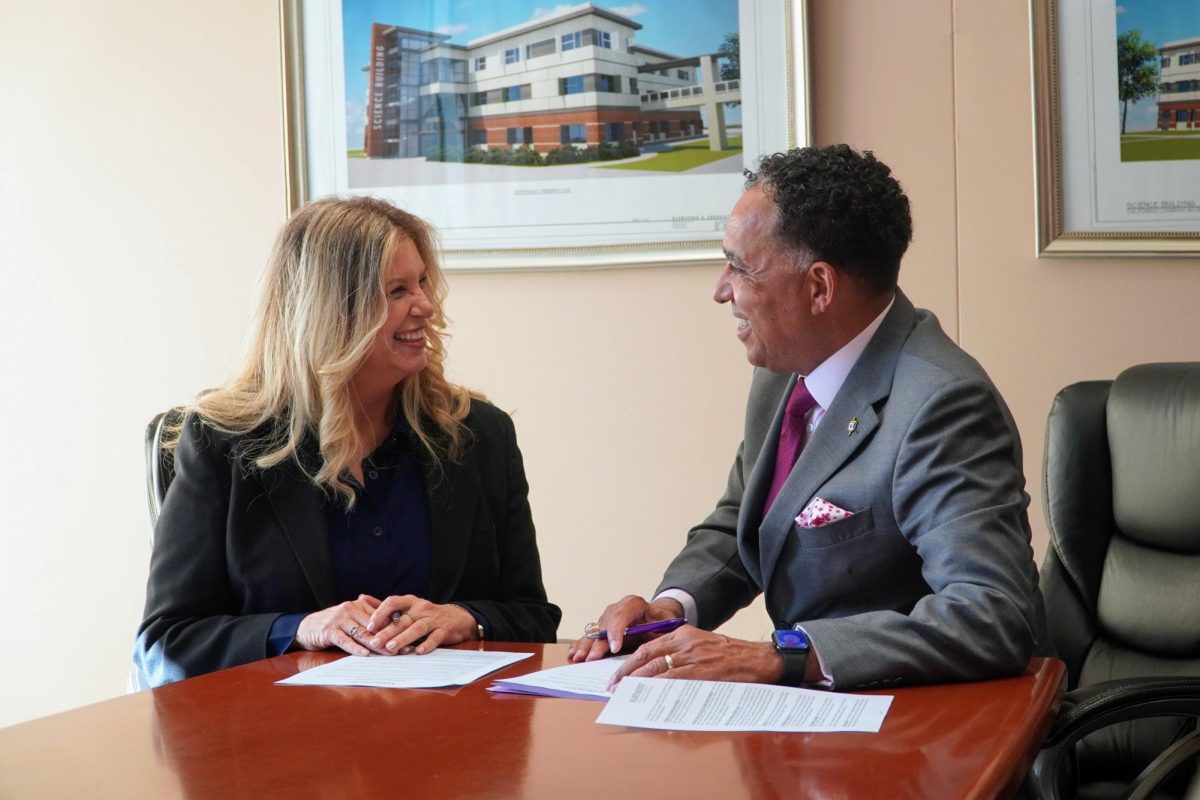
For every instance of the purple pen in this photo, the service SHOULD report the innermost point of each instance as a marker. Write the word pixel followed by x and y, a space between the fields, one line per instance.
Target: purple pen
pixel 662 626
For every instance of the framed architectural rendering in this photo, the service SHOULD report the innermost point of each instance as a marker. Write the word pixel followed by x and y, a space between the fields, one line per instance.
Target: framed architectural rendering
pixel 1117 106
pixel 534 135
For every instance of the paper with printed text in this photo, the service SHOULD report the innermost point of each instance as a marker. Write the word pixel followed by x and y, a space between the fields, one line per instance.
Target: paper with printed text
pixel 680 705
pixel 434 670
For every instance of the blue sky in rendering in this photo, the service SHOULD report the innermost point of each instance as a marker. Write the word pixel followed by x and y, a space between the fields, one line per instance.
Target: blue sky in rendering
pixel 681 27
pixel 1160 21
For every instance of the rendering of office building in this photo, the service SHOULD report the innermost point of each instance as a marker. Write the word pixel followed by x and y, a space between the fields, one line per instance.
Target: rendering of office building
pixel 574 78
pixel 1179 91
pixel 396 93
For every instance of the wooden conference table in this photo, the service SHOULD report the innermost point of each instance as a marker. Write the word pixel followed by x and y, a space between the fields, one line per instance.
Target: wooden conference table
pixel 234 734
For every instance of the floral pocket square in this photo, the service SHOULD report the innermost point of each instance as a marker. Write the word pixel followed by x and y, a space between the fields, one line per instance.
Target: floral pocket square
pixel 820 512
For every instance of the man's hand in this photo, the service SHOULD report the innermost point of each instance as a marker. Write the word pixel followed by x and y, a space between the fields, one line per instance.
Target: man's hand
pixel 701 655
pixel 626 612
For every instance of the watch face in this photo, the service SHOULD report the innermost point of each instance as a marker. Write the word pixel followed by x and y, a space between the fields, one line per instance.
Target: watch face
pixel 791 640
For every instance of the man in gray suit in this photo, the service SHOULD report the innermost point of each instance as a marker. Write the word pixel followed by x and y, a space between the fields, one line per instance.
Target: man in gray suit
pixel 877 497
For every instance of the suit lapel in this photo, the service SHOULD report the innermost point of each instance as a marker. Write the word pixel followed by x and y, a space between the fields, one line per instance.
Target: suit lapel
pixel 452 495
pixel 755 494
pixel 832 444
pixel 453 499
pixel 301 512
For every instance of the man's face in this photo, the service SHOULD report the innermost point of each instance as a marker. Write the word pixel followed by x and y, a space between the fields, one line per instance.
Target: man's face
pixel 766 291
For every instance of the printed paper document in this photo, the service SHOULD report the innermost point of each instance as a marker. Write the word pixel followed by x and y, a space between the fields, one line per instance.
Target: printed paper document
pixel 434 670
pixel 679 705
pixel 585 680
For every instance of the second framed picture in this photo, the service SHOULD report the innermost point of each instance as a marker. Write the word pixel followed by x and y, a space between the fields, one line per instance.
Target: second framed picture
pixel 1118 127
pixel 585 135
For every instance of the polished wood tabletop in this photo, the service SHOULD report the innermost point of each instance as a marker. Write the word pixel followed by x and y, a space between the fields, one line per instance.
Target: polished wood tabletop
pixel 236 734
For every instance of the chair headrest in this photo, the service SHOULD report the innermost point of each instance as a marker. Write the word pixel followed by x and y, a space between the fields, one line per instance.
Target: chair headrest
pixel 1154 438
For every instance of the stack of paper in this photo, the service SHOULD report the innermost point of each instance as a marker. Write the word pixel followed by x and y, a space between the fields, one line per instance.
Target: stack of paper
pixel 584 681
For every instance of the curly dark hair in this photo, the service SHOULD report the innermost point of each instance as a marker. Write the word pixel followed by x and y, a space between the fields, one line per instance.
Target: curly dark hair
pixel 839 206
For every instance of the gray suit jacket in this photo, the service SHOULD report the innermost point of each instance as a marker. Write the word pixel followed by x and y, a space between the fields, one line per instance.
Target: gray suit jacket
pixel 932 578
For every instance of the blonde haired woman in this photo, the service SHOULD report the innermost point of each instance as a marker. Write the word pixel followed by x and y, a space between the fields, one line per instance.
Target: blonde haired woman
pixel 339 492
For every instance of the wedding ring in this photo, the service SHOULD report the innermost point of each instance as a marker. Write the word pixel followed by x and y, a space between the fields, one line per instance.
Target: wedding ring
pixel 670 661
pixel 590 628
pixel 396 615
pixel 353 630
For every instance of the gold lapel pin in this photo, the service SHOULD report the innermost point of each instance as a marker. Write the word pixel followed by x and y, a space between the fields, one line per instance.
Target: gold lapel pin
pixel 852 426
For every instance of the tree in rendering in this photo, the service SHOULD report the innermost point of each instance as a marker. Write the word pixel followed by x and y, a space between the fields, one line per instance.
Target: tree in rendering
pixel 731 62
pixel 731 59
pixel 1137 70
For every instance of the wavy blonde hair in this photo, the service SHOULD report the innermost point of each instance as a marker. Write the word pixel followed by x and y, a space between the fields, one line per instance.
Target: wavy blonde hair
pixel 322 303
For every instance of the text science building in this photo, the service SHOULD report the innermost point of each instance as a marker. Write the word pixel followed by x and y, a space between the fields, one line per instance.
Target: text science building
pixel 573 78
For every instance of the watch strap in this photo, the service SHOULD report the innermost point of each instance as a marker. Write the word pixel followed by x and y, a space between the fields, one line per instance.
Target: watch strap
pixel 794 664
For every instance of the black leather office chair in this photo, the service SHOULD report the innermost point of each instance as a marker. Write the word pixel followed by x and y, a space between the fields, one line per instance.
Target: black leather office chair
pixel 160 464
pixel 160 470
pixel 1122 584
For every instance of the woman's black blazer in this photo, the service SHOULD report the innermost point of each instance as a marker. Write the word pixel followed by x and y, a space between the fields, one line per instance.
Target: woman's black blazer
pixel 236 546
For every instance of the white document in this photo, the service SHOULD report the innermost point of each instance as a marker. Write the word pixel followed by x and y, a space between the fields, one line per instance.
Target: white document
pixel 586 680
pixel 678 705
pixel 431 671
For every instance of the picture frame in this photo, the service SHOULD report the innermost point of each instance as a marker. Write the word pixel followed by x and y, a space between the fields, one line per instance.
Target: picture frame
pixel 552 217
pixel 1102 191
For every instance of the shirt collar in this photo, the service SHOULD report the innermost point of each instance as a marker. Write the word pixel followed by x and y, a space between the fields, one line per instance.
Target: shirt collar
pixel 826 380
pixel 398 441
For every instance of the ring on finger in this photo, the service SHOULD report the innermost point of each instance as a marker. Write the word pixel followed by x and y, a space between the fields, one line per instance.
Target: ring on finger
pixel 396 615
pixel 353 630
pixel 670 661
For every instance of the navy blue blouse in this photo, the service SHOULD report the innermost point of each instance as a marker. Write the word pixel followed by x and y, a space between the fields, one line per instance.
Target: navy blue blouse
pixel 380 547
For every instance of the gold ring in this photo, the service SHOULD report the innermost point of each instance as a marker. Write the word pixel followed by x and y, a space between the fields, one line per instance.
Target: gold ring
pixel 670 661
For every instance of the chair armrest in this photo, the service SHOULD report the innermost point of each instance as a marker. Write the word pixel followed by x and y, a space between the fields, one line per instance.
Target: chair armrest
pixel 1090 708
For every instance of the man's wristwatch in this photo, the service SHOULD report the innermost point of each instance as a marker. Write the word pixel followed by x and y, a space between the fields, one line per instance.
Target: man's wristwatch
pixel 792 645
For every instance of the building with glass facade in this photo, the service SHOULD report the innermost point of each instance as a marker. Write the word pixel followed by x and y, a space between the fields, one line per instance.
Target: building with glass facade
pixel 572 78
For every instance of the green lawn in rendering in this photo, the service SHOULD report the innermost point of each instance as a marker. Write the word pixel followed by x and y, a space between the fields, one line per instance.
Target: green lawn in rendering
pixel 1160 146
pixel 360 153
pixel 682 156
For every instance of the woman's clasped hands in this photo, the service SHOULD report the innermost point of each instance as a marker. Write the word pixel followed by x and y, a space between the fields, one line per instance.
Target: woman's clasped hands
pixel 386 627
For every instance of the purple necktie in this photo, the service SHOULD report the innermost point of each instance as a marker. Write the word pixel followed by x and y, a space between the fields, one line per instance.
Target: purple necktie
pixel 791 438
